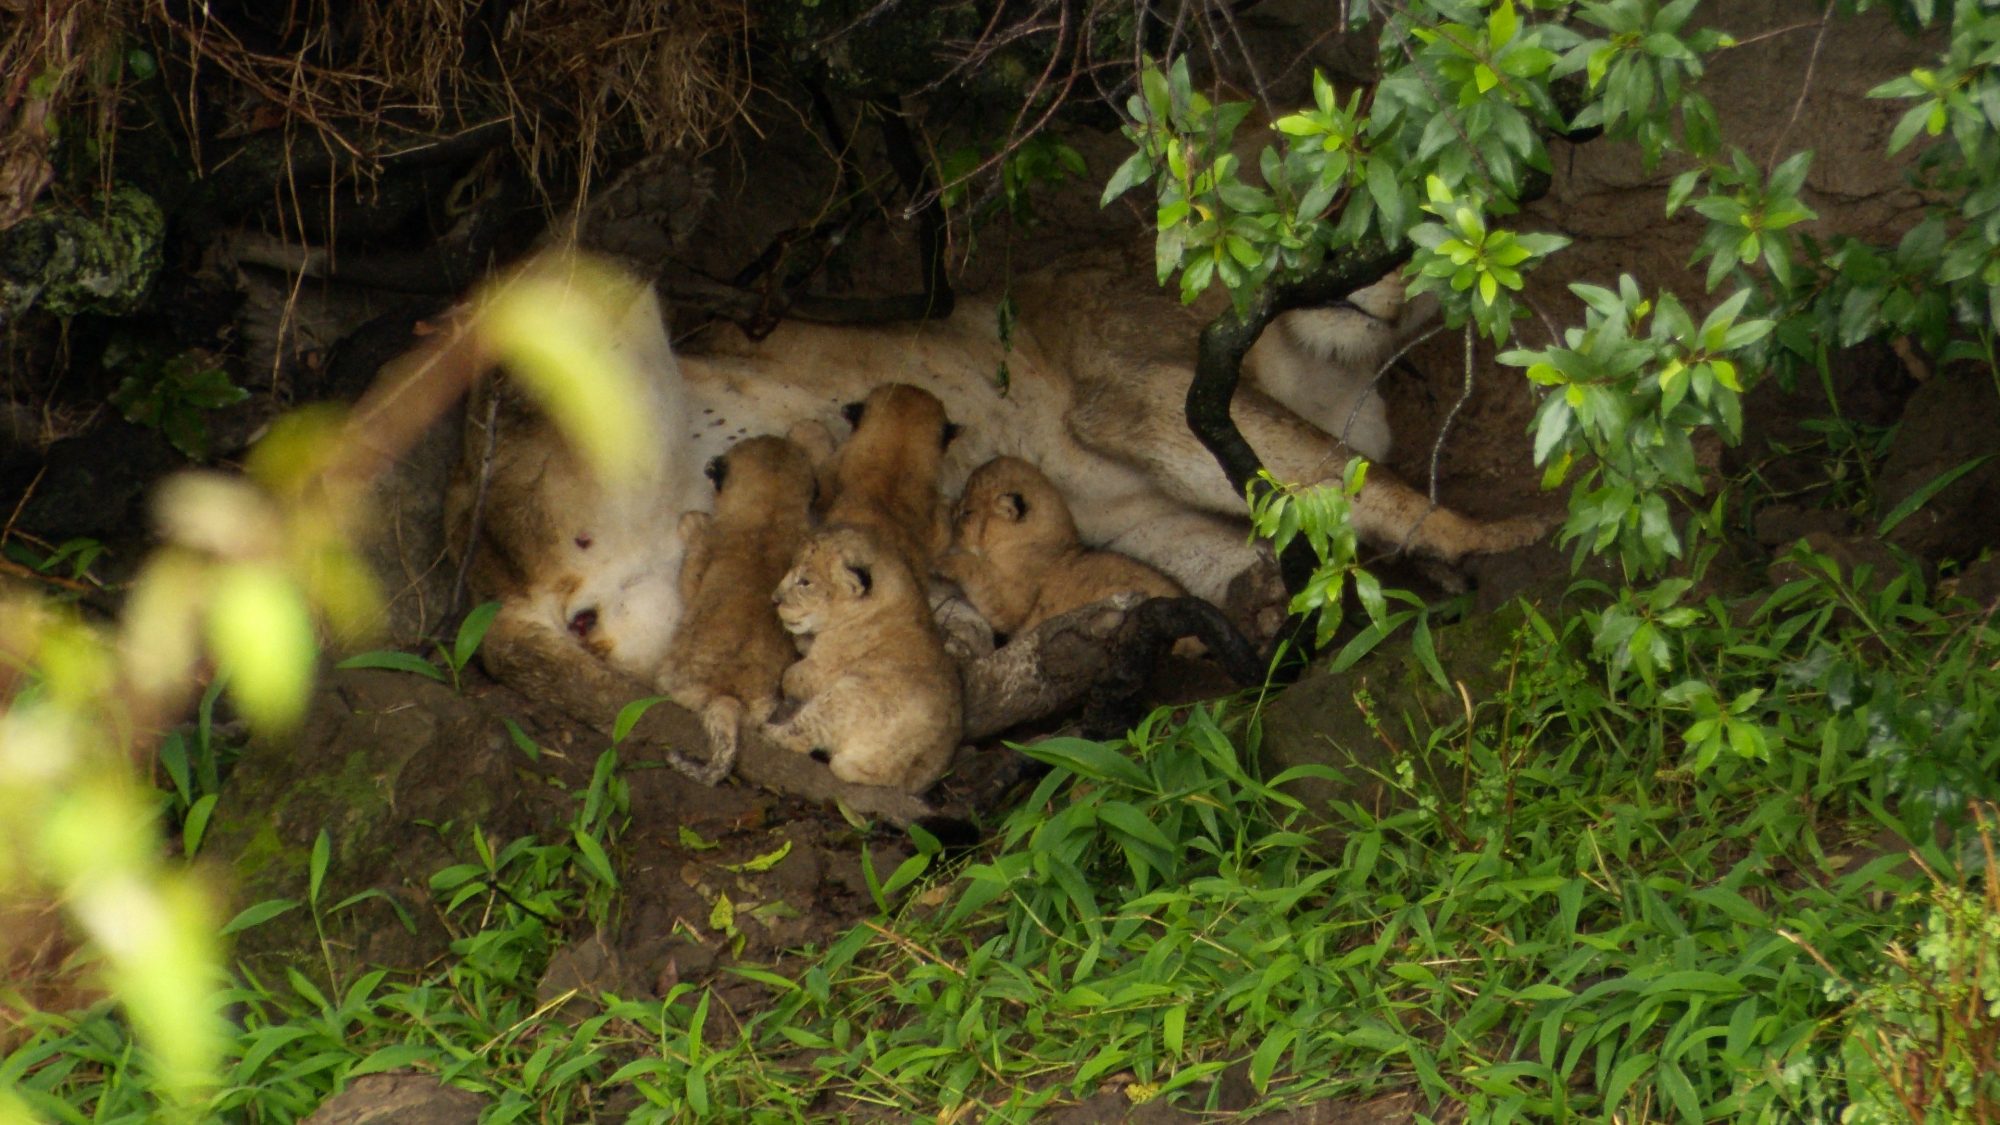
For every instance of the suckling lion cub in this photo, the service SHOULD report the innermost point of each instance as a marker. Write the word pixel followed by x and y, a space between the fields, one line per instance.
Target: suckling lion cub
pixel 876 691
pixel 885 475
pixel 727 654
pixel 1016 554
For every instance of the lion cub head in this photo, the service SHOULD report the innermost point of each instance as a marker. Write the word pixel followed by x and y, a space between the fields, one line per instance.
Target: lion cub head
pixel 1009 505
pixel 763 478
pixel 842 575
pixel 898 416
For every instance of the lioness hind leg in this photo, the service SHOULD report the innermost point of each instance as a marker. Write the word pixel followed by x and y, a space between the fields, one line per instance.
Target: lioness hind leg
pixel 1139 424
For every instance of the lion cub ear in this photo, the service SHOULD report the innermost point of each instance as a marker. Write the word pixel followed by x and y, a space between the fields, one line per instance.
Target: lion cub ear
pixel 1014 506
pixel 852 412
pixel 864 580
pixel 951 432
pixel 717 471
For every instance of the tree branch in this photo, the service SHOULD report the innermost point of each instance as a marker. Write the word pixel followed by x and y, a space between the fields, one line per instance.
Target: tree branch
pixel 1219 366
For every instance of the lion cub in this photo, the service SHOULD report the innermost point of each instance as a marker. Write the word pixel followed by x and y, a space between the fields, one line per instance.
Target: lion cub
pixel 726 657
pixel 885 475
pixel 1016 554
pixel 875 688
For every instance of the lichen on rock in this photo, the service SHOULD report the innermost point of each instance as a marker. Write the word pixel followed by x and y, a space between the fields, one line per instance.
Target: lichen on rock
pixel 70 261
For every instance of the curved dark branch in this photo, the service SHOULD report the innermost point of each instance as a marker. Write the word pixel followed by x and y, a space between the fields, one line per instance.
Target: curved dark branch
pixel 1227 339
pixel 1219 367
pixel 914 171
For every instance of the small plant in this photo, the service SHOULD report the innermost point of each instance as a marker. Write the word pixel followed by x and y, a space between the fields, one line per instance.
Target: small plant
pixel 464 645
pixel 1281 512
pixel 1923 1038
pixel 194 762
pixel 1036 162
pixel 79 554
pixel 175 396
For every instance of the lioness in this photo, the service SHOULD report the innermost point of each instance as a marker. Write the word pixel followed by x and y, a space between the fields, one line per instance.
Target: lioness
pixel 728 653
pixel 875 689
pixel 1098 367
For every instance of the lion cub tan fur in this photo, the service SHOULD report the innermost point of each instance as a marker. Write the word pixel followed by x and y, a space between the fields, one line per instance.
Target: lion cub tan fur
pixel 1016 555
pixel 875 689
pixel 726 656
pixel 884 477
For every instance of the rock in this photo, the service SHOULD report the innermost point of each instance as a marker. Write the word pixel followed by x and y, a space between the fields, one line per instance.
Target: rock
pixel 384 762
pixel 1359 722
pixel 1979 582
pixel 399 1098
pixel 589 967
pixel 69 261
pixel 1781 524
pixel 1950 420
pixel 1858 557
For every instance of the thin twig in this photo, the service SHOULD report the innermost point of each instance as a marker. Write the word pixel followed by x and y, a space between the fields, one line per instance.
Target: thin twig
pixel 478 502
pixel 8 532
pixel 1805 87
pixel 1451 416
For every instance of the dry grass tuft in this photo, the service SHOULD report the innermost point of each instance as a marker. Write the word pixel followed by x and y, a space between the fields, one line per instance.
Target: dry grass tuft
pixel 574 79
pixel 57 57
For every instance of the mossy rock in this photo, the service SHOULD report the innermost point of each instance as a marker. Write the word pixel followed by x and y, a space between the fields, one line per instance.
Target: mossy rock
pixel 68 261
pixel 1377 718
pixel 391 766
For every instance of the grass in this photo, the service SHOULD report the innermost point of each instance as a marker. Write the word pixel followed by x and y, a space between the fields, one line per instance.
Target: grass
pixel 1696 860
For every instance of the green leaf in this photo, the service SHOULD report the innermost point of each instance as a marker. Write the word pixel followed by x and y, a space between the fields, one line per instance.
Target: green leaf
pixel 764 862
pixel 594 860
pixel 1388 196
pixel 259 914
pixel 1916 500
pixel 471 631
pixel 1501 25
pixel 1265 1059
pixel 390 660
pixel 630 714
pixel 261 629
pixel 1136 169
pixel 322 853
pixel 196 825
pixel 396 1056
pixel 1907 127
pixel 1126 818
pixel 521 740
pixel 1097 760
pixel 1299 125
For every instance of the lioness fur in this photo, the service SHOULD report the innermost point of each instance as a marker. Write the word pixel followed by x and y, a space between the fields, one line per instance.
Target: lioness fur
pixel 726 656
pixel 1292 360
pixel 1016 555
pixel 875 689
